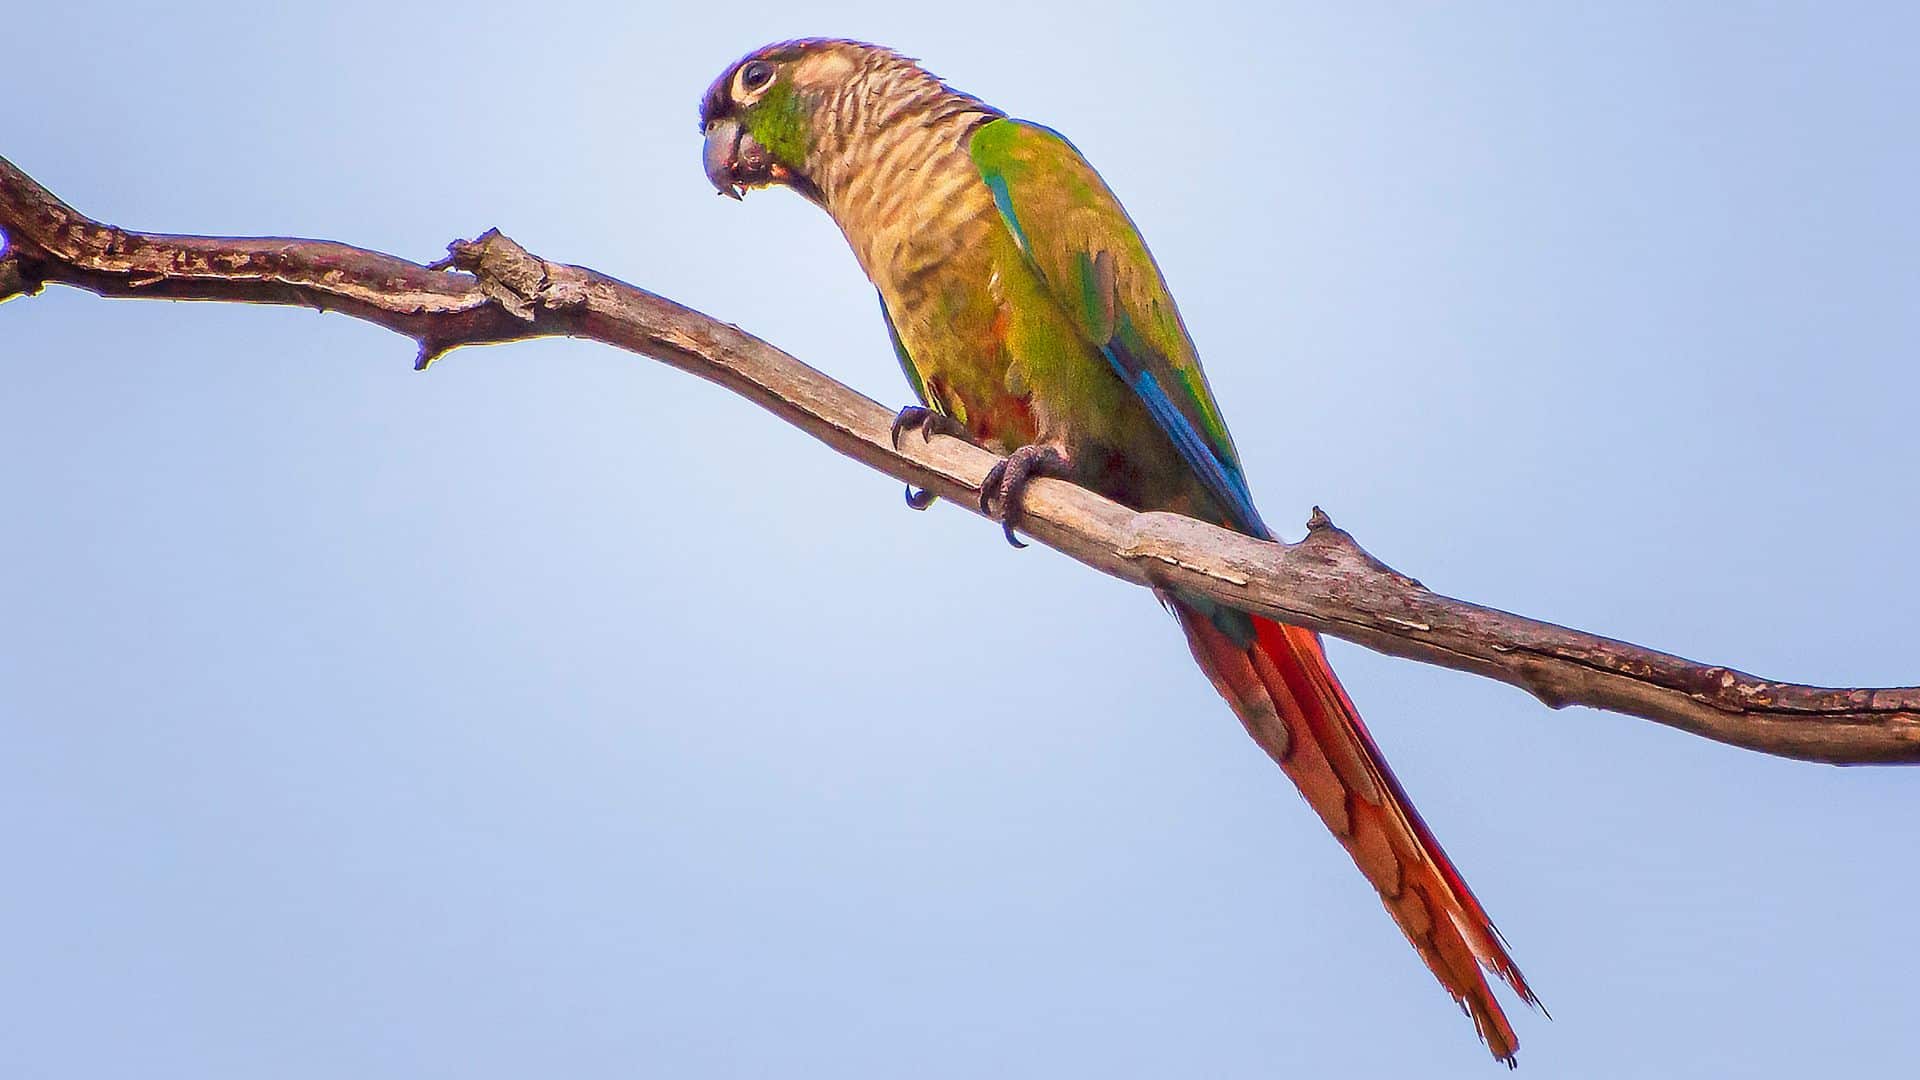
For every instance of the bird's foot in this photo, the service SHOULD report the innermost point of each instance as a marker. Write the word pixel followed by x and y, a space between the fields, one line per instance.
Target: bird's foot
pixel 1007 482
pixel 928 423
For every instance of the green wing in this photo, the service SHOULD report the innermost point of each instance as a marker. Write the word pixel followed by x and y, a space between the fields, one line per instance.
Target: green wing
pixel 900 351
pixel 1098 269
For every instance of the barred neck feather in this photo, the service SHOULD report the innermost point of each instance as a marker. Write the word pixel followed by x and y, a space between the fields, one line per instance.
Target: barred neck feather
pixel 889 153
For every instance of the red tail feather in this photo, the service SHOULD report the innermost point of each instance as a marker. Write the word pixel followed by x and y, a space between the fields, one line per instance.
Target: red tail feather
pixel 1287 696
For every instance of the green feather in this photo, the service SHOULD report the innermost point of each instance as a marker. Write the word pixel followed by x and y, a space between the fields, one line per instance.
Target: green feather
pixel 782 121
pixel 900 351
pixel 1082 244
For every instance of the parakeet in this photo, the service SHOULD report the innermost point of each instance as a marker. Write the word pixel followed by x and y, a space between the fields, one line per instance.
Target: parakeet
pixel 1030 318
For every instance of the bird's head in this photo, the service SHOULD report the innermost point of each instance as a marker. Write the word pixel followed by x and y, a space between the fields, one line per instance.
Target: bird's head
pixel 759 116
pixel 774 115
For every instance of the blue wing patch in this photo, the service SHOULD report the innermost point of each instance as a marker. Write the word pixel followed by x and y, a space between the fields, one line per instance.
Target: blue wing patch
pixel 1222 479
pixel 1003 200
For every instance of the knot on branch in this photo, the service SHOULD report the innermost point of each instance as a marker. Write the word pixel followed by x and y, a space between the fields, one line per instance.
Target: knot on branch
pixel 1336 544
pixel 521 283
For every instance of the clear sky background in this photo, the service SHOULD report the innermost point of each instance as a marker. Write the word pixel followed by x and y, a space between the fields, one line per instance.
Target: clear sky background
pixel 556 714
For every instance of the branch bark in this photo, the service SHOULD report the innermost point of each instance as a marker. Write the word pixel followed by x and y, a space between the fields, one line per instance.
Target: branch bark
pixel 490 290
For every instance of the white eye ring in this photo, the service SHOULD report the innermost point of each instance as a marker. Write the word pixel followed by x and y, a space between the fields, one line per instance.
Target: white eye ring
pixel 754 77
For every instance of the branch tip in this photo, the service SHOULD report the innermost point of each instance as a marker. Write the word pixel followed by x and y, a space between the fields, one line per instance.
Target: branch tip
pixel 12 281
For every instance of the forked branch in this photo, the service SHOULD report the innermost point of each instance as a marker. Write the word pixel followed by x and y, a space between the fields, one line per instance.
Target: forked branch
pixel 491 290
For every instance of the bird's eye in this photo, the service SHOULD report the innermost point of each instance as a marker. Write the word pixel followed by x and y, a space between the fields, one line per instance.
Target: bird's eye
pixel 756 75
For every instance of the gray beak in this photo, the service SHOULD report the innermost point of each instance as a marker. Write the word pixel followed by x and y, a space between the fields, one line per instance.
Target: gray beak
pixel 722 156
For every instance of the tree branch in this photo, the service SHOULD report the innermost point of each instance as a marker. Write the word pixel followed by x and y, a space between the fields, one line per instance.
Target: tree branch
pixel 491 290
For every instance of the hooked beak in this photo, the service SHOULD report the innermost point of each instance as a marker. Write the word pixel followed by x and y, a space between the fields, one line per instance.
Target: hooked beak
pixel 735 161
pixel 721 157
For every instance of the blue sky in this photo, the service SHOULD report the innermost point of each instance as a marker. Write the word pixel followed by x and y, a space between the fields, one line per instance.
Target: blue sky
pixel 553 713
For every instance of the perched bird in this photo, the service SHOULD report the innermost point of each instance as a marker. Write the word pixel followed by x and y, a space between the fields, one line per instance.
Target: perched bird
pixel 1030 318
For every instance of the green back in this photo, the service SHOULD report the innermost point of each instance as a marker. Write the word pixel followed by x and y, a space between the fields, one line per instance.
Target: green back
pixel 1097 268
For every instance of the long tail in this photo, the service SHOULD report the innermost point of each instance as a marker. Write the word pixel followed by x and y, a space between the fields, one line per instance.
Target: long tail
pixel 1285 693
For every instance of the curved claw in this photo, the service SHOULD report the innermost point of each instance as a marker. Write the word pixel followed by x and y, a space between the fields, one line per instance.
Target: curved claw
pixel 920 500
pixel 927 422
pixel 911 416
pixel 1007 481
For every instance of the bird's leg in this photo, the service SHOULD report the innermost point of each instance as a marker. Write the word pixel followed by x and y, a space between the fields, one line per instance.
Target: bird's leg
pixel 1007 482
pixel 928 423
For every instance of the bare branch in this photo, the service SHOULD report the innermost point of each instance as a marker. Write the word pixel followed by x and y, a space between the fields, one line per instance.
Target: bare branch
pixel 491 290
